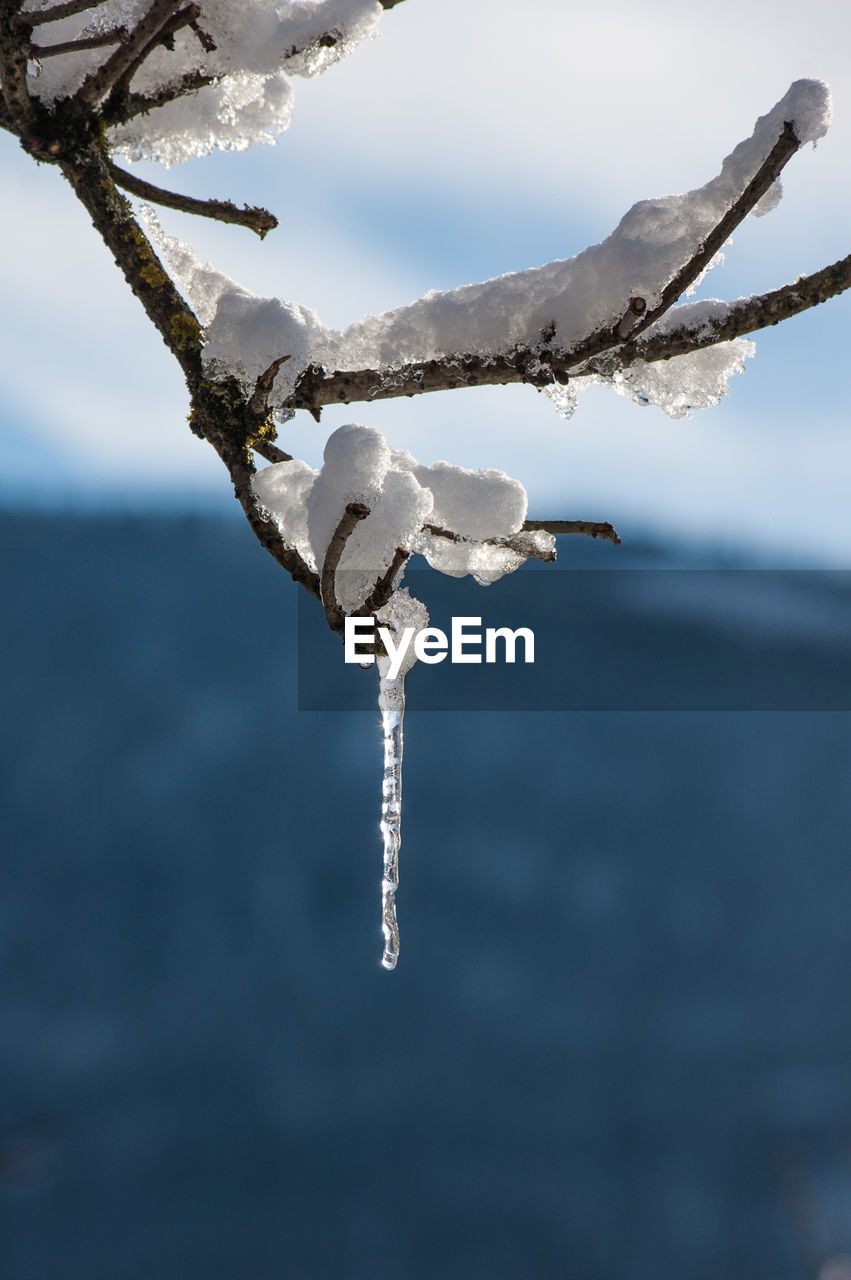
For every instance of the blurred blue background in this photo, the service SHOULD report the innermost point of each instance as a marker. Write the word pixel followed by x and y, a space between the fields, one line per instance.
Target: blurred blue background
pixel 618 1040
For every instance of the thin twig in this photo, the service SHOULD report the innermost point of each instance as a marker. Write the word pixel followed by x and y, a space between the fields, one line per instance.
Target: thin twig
pixel 747 315
pixel 119 108
pixel 271 452
pixel 515 542
pixel 259 401
pixel 257 220
pixel 241 471
pixel 588 528
pixel 351 517
pixel 128 58
pixel 383 589
pixel 767 173
pixel 118 35
pixel 203 37
pixel 35 18
pixel 165 36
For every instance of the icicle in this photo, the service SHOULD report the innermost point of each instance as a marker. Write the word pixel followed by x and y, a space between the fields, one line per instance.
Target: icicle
pixel 391 704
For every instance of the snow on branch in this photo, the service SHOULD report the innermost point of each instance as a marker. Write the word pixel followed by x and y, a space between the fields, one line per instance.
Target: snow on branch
pixel 369 508
pixel 695 326
pixel 540 326
pixel 158 22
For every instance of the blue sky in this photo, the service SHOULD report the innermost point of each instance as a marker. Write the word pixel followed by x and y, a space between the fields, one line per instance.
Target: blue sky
pixel 470 139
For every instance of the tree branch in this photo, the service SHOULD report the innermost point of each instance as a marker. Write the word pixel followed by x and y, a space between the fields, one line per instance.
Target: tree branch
pixel 542 365
pixel 57 12
pixel 383 589
pixel 257 220
pixel 351 517
pixel 316 388
pixel 767 174
pixel 119 108
pixel 747 315
pixel 13 64
pixel 89 176
pixel 591 529
pixel 118 35
pixel 259 402
pixel 122 65
pixel 588 528
pixel 271 452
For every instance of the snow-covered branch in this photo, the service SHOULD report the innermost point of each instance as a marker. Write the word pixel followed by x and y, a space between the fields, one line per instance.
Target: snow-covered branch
pixel 695 326
pixel 686 329
pixel 544 325
pixel 157 23
pixel 187 77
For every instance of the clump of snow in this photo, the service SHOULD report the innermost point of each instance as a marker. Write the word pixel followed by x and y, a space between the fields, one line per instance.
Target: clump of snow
pixel 684 383
pixel 282 489
pixel 243 333
pixel 572 298
pixel 458 496
pixel 484 562
pixel 678 386
pixel 478 509
pixel 357 470
pixel 233 115
pixel 259 44
pixel 247 334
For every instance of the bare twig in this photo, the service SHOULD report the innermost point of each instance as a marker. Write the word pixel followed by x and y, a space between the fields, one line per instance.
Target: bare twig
pixel 383 589
pixel 257 220
pixel 241 471
pixel 351 517
pixel 259 401
pixel 119 69
pixel 57 12
pixel 588 528
pixel 120 108
pixel 118 35
pixel 271 452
